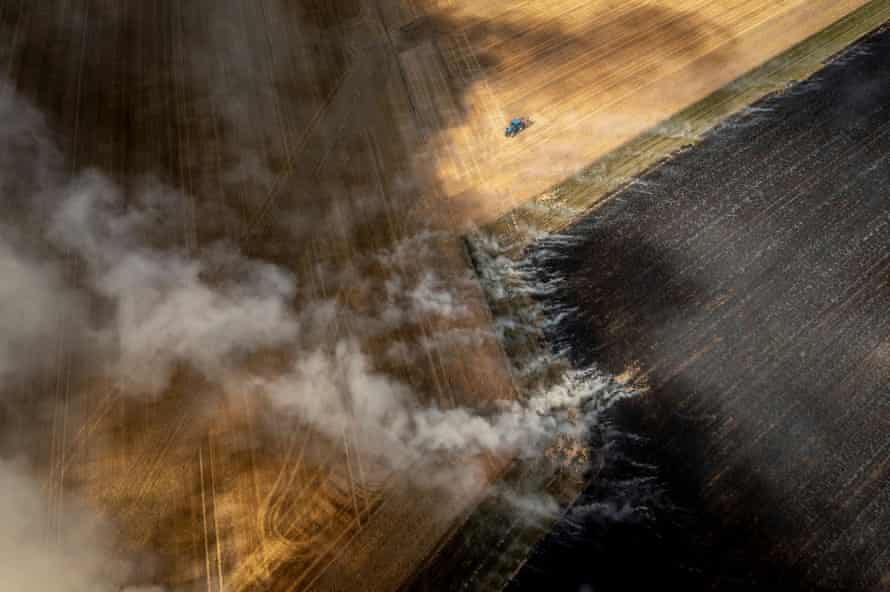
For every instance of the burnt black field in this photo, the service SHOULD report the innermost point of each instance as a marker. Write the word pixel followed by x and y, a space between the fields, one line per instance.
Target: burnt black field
pixel 748 278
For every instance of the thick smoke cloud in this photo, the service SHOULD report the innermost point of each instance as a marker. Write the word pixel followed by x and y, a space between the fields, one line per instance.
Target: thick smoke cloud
pixel 161 306
pixel 166 310
pixel 339 390
pixel 33 295
pixel 142 306
pixel 76 553
pixel 84 258
pixel 88 267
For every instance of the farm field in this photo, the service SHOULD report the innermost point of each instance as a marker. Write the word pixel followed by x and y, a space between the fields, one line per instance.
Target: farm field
pixel 350 143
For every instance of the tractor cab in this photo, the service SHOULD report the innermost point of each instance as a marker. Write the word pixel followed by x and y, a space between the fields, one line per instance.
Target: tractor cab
pixel 516 125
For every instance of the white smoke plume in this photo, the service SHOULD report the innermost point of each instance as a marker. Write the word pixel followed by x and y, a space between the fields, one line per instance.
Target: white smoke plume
pixel 339 390
pixel 169 306
pixel 83 253
pixel 166 310
pixel 33 295
pixel 162 306
pixel 75 554
pixel 534 508
pixel 165 305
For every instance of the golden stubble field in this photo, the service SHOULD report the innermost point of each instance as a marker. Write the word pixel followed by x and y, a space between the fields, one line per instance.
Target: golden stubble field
pixel 348 144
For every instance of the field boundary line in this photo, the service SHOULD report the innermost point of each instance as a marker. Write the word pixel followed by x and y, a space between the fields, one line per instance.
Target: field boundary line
pixel 567 201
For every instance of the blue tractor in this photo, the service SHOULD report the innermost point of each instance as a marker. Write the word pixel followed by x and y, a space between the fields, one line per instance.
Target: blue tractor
pixel 516 125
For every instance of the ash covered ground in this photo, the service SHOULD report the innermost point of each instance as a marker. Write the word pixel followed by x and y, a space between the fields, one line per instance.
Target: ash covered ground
pixel 745 283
